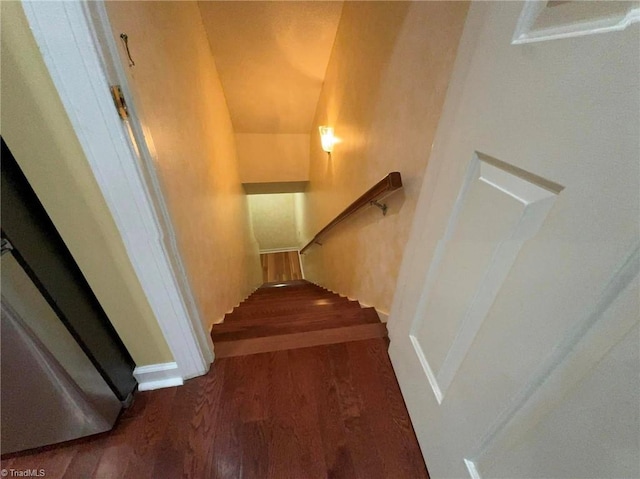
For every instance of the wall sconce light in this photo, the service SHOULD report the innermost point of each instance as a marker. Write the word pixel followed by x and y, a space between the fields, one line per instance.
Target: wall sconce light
pixel 327 139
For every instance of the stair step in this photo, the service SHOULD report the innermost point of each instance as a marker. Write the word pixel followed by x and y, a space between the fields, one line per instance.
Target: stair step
pixel 242 347
pixel 242 329
pixel 290 294
pixel 289 283
pixel 293 314
pixel 289 303
pixel 267 312
pixel 269 288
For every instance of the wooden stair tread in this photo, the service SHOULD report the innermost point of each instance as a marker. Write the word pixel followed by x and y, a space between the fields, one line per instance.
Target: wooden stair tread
pixel 296 316
pixel 244 314
pixel 290 315
pixel 275 288
pixel 289 304
pixel 232 331
pixel 291 296
pixel 243 347
pixel 290 283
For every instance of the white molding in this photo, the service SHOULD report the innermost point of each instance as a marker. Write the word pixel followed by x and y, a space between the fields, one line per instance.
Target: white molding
pixel 426 367
pixel 524 32
pixel 473 171
pixel 157 376
pixel 537 196
pixel 78 50
pixel 279 250
pixel 473 470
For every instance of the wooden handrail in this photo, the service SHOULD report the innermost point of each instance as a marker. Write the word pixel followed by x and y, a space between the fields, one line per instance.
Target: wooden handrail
pixel 382 189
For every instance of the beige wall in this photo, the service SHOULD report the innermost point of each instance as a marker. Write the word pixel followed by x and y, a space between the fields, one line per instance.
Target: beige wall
pixel 40 136
pixel 271 57
pixel 274 220
pixel 383 94
pixel 273 157
pixel 182 105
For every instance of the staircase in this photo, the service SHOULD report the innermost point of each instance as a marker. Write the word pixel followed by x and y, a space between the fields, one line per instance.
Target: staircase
pixel 291 315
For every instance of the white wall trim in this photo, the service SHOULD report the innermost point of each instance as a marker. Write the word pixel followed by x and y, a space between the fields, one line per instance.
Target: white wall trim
pixel 473 470
pixel 157 376
pixel 77 48
pixel 426 367
pixel 537 196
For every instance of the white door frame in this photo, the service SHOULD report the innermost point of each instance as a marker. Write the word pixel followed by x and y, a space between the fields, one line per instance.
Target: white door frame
pixel 81 56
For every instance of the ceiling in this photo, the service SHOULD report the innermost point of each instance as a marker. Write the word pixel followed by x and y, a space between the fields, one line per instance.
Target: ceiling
pixel 271 58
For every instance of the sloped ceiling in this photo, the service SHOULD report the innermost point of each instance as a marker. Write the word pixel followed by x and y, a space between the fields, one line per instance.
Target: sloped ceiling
pixel 271 58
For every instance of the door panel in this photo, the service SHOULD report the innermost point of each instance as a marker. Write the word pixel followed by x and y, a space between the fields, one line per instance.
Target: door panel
pixel 497 209
pixel 514 328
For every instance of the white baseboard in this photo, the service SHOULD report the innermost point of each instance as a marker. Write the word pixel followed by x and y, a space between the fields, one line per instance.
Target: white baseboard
pixel 157 376
pixel 384 317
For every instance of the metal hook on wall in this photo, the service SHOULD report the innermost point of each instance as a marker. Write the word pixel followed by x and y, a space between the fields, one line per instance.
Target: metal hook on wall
pixel 382 206
pixel 125 40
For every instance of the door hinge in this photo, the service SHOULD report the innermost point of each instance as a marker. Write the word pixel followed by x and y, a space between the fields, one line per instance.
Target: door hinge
pixel 5 246
pixel 118 99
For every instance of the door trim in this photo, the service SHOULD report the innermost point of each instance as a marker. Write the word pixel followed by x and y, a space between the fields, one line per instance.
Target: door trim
pixel 157 376
pixel 79 56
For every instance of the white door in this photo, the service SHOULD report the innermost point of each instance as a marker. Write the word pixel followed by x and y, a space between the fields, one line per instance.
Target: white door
pixel 514 330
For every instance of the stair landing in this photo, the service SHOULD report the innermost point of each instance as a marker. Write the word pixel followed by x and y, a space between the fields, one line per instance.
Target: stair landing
pixel 291 315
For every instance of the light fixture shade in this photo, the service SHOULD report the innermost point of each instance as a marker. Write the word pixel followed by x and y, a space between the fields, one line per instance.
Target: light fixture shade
pixel 327 139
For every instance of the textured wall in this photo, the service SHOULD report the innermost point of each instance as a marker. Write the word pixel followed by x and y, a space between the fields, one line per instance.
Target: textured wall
pixel 40 136
pixel 274 220
pixel 178 91
pixel 273 157
pixel 383 94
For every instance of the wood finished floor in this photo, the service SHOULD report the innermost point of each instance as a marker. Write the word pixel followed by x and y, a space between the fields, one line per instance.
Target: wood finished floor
pixel 324 412
pixel 278 267
pixel 331 410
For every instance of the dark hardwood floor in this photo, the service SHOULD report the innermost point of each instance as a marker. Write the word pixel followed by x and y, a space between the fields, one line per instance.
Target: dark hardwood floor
pixel 329 411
